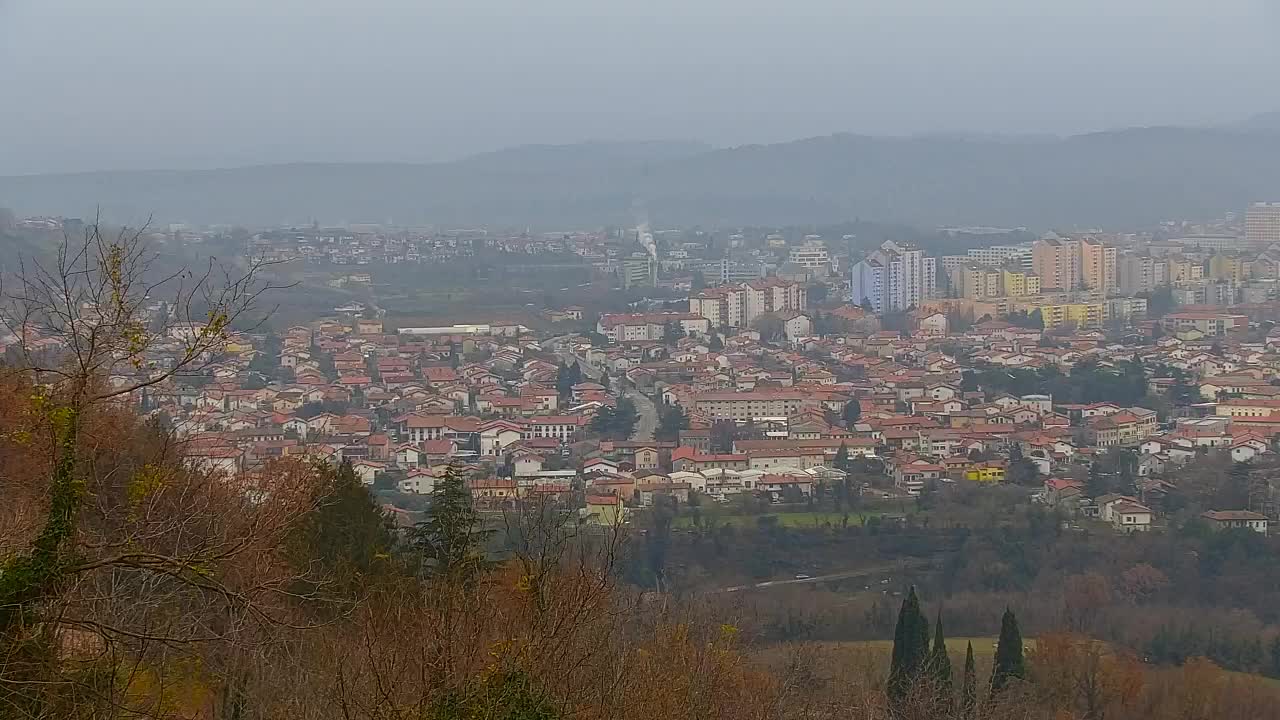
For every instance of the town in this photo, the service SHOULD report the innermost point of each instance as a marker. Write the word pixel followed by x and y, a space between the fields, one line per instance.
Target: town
pixel 1087 369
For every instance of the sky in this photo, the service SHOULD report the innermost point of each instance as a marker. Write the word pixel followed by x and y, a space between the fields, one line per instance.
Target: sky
pixel 135 84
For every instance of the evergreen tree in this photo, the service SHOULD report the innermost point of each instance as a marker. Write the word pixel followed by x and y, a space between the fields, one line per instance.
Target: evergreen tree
pixel 715 344
pixel 910 649
pixel 940 663
pixel 1009 662
pixel 347 536
pixel 841 461
pixel 448 540
pixel 852 412
pixel 969 690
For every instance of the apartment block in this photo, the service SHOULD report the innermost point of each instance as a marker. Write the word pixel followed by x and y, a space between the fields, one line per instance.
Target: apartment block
pixel 749 405
pixel 1056 261
pixel 1097 265
pixel 1262 225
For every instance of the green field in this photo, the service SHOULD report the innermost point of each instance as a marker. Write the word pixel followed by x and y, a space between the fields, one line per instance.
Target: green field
pixel 784 519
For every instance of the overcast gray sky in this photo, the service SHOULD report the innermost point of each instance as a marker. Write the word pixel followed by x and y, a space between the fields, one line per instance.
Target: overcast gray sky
pixel 97 84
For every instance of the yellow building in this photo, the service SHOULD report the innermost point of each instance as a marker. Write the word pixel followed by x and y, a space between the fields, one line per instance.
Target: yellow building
pixel 987 472
pixel 1083 315
pixel 1226 267
pixel 1018 284
pixel 975 282
pixel 1184 271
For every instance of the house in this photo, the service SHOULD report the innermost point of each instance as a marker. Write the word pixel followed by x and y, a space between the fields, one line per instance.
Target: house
pixel 526 463
pixel 420 482
pixel 992 471
pixel 1236 519
pixel 495 436
pixel 646 458
pixel 368 470
pixel 1131 517
pixel 490 492
pixel 408 455
pixel 913 475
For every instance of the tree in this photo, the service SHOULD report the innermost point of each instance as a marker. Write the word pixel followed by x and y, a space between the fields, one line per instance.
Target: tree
pixel 347 534
pixel 770 327
pixel 671 420
pixel 1010 665
pixel 566 377
pixel 969 689
pixel 910 650
pixel 697 283
pixel 715 344
pixel 940 665
pixel 852 413
pixel 1086 675
pixel 722 436
pixel 1036 319
pixel 448 541
pixel 124 545
pixel 841 461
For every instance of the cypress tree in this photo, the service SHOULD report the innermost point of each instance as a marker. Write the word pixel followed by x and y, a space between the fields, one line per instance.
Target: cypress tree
pixel 1009 663
pixel 910 649
pixel 449 540
pixel 940 663
pixel 969 690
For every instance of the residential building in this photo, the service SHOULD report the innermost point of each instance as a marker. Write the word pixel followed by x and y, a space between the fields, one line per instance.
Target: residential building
pixel 1203 292
pixel 909 277
pixel 1207 323
pixel 740 305
pixel 812 255
pixel 1015 256
pixel 869 285
pixel 1236 520
pixel 1262 224
pixel 749 405
pixel 1019 283
pixel 1082 315
pixel 1136 274
pixel 1226 268
pixel 1130 517
pixel 1056 261
pixel 1097 265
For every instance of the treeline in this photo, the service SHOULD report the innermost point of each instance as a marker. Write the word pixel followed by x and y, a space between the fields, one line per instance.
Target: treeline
pixel 1087 382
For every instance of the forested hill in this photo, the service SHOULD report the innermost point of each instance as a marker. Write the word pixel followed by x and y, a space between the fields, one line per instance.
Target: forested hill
pixel 1115 179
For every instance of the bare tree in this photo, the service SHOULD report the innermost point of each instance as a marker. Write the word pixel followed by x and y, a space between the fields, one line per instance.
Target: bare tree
pixel 125 553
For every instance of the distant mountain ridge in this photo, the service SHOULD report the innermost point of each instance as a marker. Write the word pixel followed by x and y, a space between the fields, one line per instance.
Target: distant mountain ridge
pixel 1123 178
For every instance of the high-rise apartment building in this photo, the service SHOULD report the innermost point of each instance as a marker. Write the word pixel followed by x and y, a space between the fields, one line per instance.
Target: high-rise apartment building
pixel 1229 268
pixel 1262 225
pixel 868 281
pixel 1019 283
pixel 894 277
pixel 1016 256
pixel 1056 261
pixel 1097 266
pixel 1137 274
pixel 740 305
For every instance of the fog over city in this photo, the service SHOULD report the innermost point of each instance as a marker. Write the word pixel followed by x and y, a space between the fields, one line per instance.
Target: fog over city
pixel 152 84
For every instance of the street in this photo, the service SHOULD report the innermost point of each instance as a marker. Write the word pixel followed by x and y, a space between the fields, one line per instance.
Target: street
pixel 648 412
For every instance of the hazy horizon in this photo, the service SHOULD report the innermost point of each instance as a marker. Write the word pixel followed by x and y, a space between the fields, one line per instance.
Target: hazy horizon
pixel 146 84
